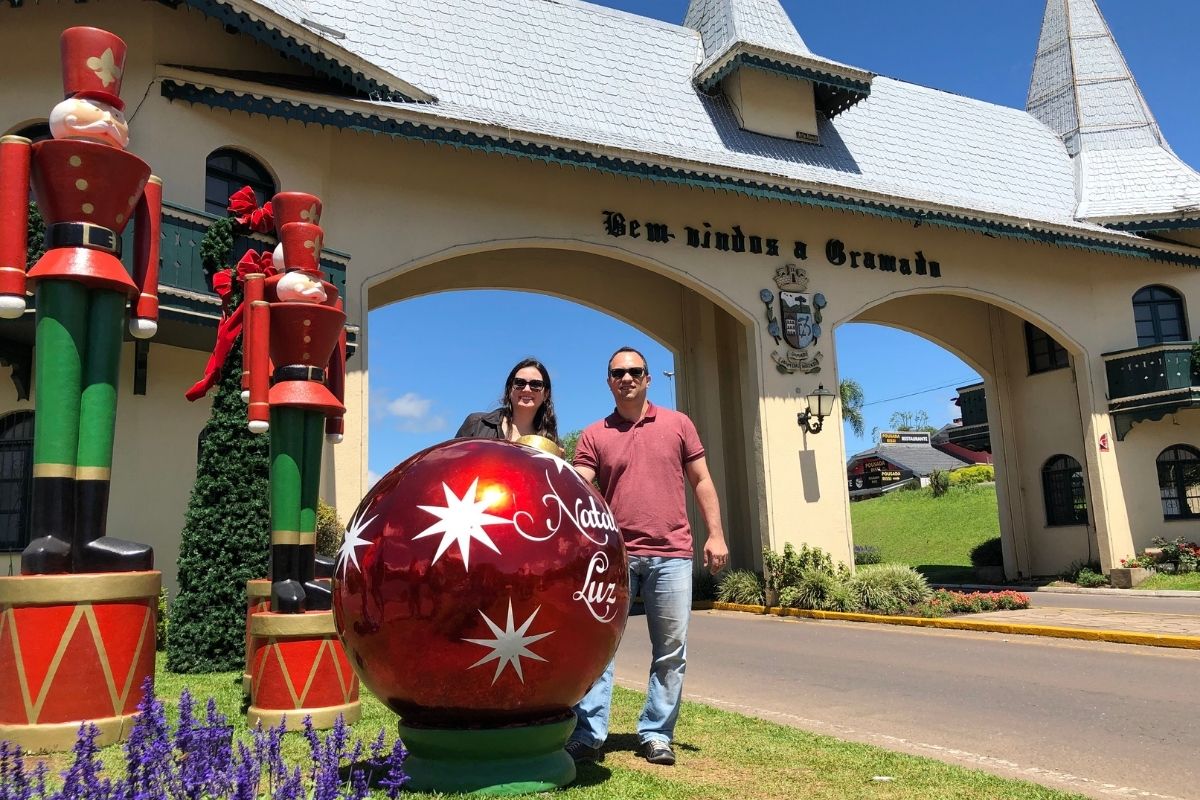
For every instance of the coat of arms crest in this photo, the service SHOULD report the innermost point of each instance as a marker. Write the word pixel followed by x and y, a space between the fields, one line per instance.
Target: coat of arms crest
pixel 798 323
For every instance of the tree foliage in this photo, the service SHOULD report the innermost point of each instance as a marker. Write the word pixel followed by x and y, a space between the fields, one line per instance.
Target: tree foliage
pixel 911 421
pixel 852 403
pixel 226 534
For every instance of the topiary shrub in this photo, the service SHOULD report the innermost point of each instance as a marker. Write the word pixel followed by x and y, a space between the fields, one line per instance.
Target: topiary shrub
pixel 330 530
pixel 980 473
pixel 988 553
pixel 741 586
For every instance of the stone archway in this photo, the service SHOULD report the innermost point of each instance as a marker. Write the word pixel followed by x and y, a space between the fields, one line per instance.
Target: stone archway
pixel 715 380
pixel 1031 415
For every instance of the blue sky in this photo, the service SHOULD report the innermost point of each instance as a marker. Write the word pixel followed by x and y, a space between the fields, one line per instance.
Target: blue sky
pixel 974 48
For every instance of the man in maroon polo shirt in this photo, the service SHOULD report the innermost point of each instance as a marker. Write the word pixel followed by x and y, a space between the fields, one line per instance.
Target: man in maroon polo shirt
pixel 640 455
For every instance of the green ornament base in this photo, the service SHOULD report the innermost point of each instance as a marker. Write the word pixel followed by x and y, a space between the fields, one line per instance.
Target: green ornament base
pixel 495 762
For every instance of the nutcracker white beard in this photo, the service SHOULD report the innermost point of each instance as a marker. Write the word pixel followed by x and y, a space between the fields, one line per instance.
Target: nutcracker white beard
pixel 79 118
pixel 298 287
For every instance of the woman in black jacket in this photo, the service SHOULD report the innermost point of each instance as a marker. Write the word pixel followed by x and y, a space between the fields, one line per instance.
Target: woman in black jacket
pixel 526 408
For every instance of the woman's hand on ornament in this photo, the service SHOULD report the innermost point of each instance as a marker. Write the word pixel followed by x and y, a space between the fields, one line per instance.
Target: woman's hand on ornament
pixel 12 306
pixel 142 328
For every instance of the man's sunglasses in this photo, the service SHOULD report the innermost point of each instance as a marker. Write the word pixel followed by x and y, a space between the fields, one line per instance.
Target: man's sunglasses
pixel 616 373
pixel 534 385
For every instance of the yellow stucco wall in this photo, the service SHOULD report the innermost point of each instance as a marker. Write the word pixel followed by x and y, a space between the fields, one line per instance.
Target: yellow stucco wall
pixel 420 217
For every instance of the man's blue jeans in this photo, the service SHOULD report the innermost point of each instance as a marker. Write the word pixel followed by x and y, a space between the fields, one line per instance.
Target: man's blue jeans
pixel 665 585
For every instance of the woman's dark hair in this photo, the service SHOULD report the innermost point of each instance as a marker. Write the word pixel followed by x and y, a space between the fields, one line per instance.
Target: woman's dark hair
pixel 544 421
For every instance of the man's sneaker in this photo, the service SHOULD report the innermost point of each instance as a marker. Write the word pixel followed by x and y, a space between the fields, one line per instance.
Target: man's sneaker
pixel 657 752
pixel 581 753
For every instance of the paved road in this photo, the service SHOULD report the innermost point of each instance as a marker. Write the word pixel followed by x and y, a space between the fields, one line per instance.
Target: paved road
pixel 1159 605
pixel 1100 719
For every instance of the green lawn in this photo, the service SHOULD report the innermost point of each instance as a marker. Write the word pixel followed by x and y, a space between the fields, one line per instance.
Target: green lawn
pixel 721 755
pixel 1165 580
pixel 933 534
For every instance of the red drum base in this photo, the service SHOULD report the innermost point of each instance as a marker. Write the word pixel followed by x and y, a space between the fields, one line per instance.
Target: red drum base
pixel 300 670
pixel 74 648
pixel 258 598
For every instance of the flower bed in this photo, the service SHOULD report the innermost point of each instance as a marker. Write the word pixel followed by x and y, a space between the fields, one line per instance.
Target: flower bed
pixel 202 758
pixel 944 603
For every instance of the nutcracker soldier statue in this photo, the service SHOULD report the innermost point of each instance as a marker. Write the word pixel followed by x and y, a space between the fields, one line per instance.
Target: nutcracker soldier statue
pixel 84 602
pixel 88 188
pixel 295 366
pixel 294 350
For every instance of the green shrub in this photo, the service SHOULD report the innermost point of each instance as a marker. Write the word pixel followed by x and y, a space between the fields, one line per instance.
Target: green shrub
pixel 867 554
pixel 980 473
pixel 741 586
pixel 1089 579
pixel 784 569
pixel 939 482
pixel 842 598
pixel 812 589
pixel 1071 573
pixel 330 530
pixel 889 587
pixel 1185 555
pixel 988 553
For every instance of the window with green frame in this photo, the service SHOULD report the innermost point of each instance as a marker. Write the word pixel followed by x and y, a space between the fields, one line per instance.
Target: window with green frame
pixel 1062 485
pixel 1179 481
pixel 1043 352
pixel 1158 316
pixel 227 170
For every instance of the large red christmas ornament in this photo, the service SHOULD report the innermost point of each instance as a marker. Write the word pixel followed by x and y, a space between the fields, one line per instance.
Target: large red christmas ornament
pixel 481 589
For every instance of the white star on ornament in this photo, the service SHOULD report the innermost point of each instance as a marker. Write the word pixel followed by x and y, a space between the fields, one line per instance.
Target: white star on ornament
pixel 348 552
pixel 461 520
pixel 558 462
pixel 509 646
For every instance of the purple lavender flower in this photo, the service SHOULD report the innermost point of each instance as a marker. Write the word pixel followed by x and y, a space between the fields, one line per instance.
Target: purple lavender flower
pixel 247 774
pixel 395 778
pixel 150 767
pixel 82 781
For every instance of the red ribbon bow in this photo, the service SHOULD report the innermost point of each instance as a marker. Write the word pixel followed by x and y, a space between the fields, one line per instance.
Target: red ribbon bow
pixel 230 326
pixel 244 208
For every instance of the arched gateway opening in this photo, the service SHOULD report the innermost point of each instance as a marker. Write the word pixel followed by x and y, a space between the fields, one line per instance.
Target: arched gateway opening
pixel 713 379
pixel 1029 413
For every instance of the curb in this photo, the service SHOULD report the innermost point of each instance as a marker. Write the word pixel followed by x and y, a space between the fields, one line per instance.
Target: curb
pixel 1087 634
pixel 1109 592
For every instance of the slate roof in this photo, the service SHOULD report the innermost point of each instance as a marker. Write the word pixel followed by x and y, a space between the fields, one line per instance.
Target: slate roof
pixel 594 80
pixel 921 459
pixel 1082 89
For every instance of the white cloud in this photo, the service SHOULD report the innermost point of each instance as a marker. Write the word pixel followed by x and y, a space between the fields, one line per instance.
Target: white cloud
pixel 414 413
pixel 409 406
pixel 372 477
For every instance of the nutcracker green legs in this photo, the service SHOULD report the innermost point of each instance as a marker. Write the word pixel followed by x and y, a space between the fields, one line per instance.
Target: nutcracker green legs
pixel 296 438
pixel 77 361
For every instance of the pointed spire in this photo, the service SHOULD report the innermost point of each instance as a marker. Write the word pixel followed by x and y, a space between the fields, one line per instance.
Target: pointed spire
pixel 760 33
pixel 1085 92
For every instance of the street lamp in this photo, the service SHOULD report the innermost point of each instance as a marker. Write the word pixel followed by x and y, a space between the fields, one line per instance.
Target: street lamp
pixel 820 405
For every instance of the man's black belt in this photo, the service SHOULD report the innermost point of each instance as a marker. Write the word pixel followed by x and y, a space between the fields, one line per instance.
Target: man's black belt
pixel 298 372
pixel 83 234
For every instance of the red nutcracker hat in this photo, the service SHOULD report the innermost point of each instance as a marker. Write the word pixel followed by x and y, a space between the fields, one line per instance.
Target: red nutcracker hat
pixel 93 62
pixel 295 207
pixel 301 246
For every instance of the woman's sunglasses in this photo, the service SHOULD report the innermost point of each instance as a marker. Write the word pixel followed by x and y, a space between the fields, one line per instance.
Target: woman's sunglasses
pixel 534 386
pixel 616 373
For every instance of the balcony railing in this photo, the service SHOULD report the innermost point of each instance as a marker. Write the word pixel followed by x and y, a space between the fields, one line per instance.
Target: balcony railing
pixel 184 284
pixel 1150 382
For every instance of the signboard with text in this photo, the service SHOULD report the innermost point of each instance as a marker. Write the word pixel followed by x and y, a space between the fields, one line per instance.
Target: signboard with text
pixel 904 437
